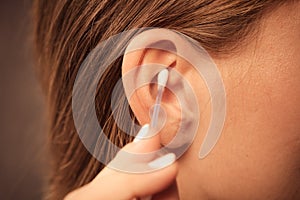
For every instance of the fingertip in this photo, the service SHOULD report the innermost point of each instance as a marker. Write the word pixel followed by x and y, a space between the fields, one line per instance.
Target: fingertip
pixel 142 133
pixel 143 143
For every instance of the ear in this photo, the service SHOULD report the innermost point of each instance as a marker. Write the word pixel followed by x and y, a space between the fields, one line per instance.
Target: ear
pixel 149 53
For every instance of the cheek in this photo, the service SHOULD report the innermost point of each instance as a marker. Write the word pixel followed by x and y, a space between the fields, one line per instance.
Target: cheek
pixel 261 140
pixel 267 102
pixel 264 134
pixel 257 155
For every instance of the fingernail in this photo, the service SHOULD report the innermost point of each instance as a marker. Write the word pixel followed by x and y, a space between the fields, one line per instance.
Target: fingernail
pixel 163 161
pixel 142 133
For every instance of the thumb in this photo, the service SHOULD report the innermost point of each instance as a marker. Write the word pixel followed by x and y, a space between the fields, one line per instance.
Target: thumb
pixel 133 158
pixel 113 184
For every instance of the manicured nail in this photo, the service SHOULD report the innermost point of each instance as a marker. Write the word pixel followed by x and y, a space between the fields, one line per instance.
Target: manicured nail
pixel 163 161
pixel 142 133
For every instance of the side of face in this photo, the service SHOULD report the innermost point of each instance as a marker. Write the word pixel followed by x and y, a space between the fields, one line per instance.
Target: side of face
pixel 257 156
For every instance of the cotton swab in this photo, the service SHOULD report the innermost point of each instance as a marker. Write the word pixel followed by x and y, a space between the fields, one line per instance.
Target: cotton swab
pixel 161 81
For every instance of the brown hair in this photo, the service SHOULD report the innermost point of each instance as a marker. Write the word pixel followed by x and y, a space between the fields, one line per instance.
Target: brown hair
pixel 65 31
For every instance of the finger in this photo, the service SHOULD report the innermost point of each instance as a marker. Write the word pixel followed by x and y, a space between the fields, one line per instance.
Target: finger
pixel 112 184
pixel 140 185
pixel 144 141
pixel 127 156
pixel 128 186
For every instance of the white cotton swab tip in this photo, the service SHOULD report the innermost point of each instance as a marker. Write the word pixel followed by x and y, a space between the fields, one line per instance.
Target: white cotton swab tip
pixel 163 77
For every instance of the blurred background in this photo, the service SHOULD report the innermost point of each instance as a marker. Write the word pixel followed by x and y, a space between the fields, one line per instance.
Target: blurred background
pixel 22 128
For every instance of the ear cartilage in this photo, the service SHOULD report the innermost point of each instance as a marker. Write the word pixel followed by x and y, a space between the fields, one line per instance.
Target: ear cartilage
pixel 161 81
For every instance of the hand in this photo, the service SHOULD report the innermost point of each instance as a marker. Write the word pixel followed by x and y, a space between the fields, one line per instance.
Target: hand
pixel 112 184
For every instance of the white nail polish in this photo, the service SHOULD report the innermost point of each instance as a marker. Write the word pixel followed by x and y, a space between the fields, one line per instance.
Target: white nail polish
pixel 142 133
pixel 163 161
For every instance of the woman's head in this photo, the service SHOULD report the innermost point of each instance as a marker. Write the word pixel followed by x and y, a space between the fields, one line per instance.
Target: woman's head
pixel 254 44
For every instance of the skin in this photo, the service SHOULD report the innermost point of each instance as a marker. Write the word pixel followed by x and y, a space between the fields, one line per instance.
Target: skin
pixel 257 155
pixel 111 184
